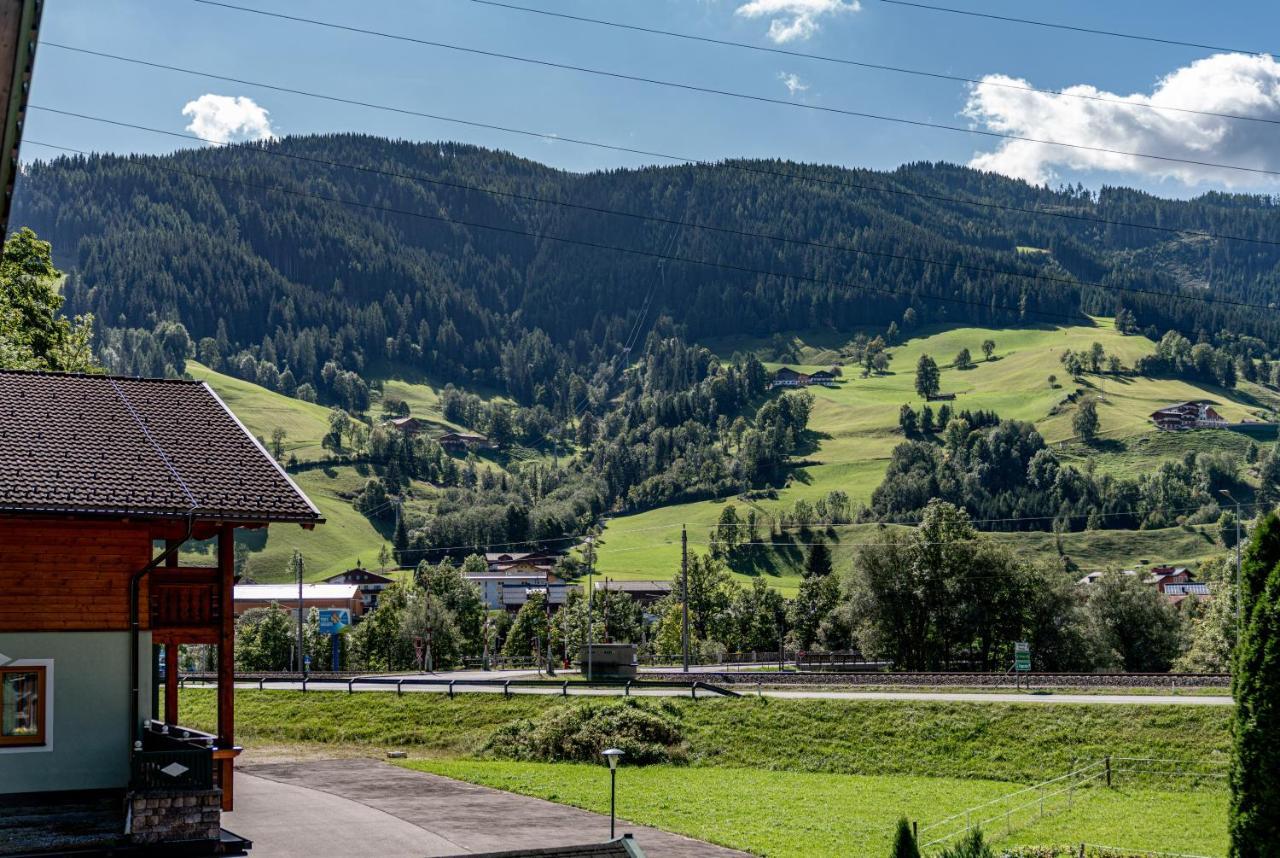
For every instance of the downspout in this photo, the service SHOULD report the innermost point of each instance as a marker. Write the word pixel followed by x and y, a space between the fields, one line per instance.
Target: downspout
pixel 135 627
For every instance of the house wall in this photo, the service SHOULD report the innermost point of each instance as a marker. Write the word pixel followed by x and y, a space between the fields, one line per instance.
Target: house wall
pixel 71 575
pixel 87 743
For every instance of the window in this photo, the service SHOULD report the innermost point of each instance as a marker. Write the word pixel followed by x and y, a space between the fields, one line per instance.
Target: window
pixel 22 706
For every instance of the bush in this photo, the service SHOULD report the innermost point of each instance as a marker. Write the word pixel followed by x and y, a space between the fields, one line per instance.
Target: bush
pixel 970 846
pixel 580 733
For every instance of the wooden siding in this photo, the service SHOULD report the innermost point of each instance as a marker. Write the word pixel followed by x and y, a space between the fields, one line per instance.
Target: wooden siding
pixel 69 574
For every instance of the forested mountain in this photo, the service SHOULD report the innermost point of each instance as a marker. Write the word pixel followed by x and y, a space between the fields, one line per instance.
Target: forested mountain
pixel 232 243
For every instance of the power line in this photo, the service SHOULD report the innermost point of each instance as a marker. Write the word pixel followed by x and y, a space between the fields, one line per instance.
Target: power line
pixel 1068 27
pixel 941 263
pixel 731 165
pixel 744 96
pixel 845 61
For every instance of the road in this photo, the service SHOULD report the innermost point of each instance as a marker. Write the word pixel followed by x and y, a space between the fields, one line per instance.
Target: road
pixel 793 694
pixel 323 808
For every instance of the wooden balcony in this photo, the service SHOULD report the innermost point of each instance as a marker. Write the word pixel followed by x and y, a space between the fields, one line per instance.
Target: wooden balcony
pixel 186 605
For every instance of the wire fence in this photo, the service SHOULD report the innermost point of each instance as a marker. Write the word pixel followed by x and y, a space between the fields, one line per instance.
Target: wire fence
pixel 1026 806
pixel 1019 807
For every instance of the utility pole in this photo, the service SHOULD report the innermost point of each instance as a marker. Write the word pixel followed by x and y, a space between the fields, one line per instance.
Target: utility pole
pixel 591 545
pixel 684 596
pixel 297 568
pixel 551 671
pixel 1239 593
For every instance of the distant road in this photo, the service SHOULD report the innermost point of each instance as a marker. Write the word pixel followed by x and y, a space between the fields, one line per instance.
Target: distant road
pixel 807 694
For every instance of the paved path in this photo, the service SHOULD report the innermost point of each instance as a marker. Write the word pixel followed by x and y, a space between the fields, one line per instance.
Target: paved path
pixel 802 694
pixel 341 808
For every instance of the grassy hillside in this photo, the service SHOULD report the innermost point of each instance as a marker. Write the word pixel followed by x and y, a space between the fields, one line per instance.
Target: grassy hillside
pixel 854 430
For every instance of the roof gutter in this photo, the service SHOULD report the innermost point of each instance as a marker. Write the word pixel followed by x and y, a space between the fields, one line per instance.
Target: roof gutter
pixel 135 628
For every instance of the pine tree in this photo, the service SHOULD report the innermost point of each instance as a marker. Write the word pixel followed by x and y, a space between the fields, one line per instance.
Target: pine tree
pixel 904 843
pixel 818 563
pixel 1254 820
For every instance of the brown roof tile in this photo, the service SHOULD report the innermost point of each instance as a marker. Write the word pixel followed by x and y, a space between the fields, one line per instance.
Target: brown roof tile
pixel 106 445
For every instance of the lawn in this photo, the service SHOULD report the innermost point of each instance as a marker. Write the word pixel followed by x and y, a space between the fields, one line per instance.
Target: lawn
pixel 803 814
pixel 988 741
pixel 798 777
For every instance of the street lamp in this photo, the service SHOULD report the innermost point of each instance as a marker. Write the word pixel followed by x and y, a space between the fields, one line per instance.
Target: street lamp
pixel 1239 595
pixel 613 755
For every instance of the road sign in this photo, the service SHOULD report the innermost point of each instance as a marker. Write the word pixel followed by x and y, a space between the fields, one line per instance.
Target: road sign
pixel 334 620
pixel 1022 656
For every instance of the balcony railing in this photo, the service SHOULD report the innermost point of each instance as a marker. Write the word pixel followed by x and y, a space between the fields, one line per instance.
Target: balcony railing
pixel 172 758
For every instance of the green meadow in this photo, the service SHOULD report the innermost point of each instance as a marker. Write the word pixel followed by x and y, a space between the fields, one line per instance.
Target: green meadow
pixel 854 428
pixel 806 777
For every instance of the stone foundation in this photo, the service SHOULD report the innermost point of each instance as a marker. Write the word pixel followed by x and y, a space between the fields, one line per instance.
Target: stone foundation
pixel 167 816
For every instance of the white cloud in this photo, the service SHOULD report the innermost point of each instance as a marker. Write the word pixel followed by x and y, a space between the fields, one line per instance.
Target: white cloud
pixel 1238 84
pixel 794 19
pixel 793 83
pixel 228 119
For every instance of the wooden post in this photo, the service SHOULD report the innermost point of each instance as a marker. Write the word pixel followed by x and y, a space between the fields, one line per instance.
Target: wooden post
pixel 171 683
pixel 226 661
pixel 1108 763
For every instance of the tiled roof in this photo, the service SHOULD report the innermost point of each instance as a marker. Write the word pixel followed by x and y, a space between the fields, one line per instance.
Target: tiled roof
pixel 103 445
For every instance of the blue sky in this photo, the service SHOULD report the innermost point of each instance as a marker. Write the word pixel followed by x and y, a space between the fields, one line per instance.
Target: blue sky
pixel 633 114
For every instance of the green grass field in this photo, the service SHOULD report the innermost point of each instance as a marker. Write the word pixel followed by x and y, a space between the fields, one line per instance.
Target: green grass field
pixel 854 430
pixel 796 814
pixel 801 777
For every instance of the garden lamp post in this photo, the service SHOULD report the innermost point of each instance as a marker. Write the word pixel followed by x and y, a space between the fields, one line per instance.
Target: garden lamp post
pixel 1239 595
pixel 613 755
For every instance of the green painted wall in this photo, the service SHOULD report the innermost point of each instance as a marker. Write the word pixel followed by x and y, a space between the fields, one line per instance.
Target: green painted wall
pixel 90 734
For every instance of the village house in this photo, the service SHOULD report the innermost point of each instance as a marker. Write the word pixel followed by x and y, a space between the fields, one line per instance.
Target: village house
pixel 522 562
pixel 371 584
pixel 407 425
pixel 457 441
pixel 645 593
pixel 1188 415
pixel 788 377
pixel 322 597
pixel 105 480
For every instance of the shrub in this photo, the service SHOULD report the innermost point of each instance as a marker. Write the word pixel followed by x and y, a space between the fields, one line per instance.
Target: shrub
pixel 970 846
pixel 580 733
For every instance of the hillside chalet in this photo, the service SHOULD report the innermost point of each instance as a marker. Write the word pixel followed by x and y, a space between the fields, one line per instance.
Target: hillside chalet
pixel 464 441
pixel 105 480
pixel 407 425
pixel 788 377
pixel 371 584
pixel 1188 415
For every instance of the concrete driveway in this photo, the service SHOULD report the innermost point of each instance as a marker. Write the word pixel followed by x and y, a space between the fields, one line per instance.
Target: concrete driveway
pixel 317 809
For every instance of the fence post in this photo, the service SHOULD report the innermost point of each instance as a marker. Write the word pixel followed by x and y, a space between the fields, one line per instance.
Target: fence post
pixel 399 688
pixel 565 688
pixel 261 679
pixel 626 692
pixel 693 690
pixel 349 683
pixel 451 682
pixel 506 689
pixel 1108 762
pixel 304 685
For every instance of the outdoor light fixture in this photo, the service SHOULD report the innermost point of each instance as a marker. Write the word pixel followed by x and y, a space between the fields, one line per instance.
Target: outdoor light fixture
pixel 612 755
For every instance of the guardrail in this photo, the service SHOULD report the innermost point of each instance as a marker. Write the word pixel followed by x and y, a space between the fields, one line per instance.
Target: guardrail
pixel 451 686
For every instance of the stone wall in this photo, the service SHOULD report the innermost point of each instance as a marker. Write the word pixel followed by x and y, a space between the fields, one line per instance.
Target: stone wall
pixel 166 816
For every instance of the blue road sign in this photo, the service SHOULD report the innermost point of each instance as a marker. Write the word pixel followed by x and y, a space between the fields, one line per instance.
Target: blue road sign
pixel 334 620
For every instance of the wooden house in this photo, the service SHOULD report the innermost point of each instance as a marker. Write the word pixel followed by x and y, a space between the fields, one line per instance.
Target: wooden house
pixel 407 425
pixel 104 481
pixel 1188 415
pixel 370 583
pixel 464 441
